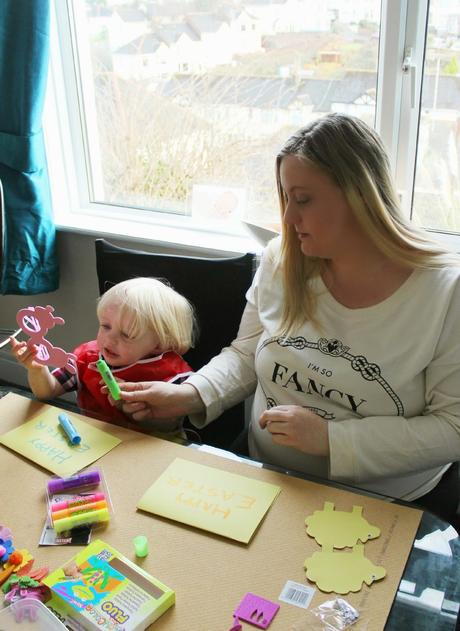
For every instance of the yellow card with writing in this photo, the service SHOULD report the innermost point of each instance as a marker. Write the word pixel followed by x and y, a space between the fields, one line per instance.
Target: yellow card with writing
pixel 43 441
pixel 224 503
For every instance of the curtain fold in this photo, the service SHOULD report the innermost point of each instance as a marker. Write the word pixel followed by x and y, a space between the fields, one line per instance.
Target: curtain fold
pixel 29 261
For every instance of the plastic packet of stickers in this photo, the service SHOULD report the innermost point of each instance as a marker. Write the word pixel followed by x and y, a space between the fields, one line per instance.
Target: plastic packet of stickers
pixel 332 615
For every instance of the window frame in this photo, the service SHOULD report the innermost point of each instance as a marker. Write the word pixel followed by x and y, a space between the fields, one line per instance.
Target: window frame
pixel 403 30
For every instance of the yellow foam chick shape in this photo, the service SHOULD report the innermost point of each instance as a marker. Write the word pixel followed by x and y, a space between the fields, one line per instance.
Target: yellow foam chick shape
pixel 340 529
pixel 342 572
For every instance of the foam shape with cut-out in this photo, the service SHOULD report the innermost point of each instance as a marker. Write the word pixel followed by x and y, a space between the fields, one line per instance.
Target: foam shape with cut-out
pixel 36 322
pixel 342 571
pixel 256 610
pixel 340 529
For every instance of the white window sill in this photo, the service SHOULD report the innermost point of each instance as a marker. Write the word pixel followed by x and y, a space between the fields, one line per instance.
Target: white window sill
pixel 170 233
pixel 448 240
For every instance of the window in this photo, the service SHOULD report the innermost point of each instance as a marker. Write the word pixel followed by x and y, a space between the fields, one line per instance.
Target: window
pixel 175 111
pixel 437 183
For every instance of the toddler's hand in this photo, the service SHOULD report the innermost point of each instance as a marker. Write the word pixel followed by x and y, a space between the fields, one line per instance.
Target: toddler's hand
pixel 105 390
pixel 24 354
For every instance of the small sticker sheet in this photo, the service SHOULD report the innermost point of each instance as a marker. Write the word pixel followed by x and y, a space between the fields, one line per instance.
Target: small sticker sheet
pixel 297 594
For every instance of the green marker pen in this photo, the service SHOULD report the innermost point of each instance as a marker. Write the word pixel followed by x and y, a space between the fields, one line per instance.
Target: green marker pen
pixel 109 379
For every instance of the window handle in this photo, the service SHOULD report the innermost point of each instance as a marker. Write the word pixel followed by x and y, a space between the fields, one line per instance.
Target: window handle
pixel 409 68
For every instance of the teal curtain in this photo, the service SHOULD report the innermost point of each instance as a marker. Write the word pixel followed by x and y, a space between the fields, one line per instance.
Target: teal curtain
pixel 29 261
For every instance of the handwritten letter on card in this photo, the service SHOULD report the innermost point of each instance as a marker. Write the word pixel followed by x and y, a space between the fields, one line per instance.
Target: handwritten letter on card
pixel 42 441
pixel 225 503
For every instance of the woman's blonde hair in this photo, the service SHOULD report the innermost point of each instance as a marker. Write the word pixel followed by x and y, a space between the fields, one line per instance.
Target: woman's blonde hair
pixel 148 304
pixel 353 156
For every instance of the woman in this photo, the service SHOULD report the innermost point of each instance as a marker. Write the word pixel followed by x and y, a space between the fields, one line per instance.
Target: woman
pixel 351 335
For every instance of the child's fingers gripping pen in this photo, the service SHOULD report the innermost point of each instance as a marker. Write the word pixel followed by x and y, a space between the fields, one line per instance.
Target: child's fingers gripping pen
pixel 104 389
pixel 109 379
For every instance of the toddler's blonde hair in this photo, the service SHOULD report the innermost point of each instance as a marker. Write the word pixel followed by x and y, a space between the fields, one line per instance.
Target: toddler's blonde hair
pixel 150 304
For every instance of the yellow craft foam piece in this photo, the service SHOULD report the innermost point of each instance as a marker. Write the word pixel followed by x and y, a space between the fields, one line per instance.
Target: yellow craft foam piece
pixel 26 557
pixel 340 529
pixel 342 572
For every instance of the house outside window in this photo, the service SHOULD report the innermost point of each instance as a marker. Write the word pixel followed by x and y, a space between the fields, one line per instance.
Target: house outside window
pixel 183 106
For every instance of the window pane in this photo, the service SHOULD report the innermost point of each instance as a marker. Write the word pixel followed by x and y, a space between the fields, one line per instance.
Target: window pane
pixel 437 186
pixel 191 99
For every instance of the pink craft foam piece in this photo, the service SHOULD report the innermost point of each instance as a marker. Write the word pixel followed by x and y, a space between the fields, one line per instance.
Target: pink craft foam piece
pixel 5 533
pixel 36 322
pixel 256 610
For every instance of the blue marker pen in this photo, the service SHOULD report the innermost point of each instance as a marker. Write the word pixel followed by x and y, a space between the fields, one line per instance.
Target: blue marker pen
pixel 71 432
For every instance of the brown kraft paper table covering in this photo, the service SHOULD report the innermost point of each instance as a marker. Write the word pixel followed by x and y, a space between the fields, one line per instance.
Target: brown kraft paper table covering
pixel 209 573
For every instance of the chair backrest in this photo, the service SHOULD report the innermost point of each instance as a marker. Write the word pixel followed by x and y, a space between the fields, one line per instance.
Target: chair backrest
pixel 215 287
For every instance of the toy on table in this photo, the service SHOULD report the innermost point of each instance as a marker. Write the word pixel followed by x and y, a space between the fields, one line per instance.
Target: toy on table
pixel 6 544
pixel 17 587
pixel 87 478
pixel 99 588
pixel 69 429
pixel 109 379
pixel 337 613
pixel 36 322
pixel 29 613
pixel 78 500
pixel 141 546
pixel 340 529
pixel 255 610
pixel 17 579
pixel 10 558
pixel 8 571
pixel 333 615
pixel 342 572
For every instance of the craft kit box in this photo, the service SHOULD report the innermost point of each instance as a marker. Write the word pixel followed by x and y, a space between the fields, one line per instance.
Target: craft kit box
pixel 101 589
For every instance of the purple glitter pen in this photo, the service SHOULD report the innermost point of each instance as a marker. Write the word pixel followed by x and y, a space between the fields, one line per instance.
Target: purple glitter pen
pixel 57 485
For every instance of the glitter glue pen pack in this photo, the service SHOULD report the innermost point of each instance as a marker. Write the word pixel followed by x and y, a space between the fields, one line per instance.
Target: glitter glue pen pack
pixel 99 588
pixel 80 500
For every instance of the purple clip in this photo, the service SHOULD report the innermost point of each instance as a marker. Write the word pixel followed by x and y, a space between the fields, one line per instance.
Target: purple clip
pixel 256 610
pixel 236 625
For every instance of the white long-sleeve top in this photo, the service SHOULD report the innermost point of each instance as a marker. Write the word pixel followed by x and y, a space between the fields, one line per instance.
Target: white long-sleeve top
pixel 386 377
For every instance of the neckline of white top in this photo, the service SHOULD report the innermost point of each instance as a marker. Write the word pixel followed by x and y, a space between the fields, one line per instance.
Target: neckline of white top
pixel 383 305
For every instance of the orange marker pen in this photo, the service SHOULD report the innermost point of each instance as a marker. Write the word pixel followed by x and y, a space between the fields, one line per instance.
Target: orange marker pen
pixel 77 510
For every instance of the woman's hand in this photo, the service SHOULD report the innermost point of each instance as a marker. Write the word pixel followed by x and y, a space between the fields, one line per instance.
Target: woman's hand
pixel 297 427
pixel 159 400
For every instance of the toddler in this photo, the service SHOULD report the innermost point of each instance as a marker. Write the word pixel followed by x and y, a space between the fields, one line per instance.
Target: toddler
pixel 144 328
